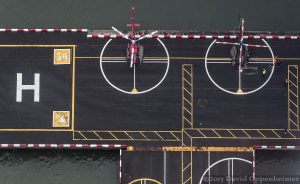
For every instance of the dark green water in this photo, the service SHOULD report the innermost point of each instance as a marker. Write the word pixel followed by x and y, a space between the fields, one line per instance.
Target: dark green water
pixel 58 167
pixel 262 15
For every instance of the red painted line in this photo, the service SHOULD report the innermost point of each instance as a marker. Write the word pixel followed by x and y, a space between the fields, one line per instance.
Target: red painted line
pixel 70 146
pixel 276 147
pixel 41 30
pixel 178 36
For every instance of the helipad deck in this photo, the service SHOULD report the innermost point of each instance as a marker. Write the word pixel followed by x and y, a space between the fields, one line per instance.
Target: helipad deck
pixel 68 88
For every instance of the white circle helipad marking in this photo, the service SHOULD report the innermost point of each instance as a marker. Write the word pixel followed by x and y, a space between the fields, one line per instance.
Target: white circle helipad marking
pixel 222 160
pixel 235 93
pixel 139 92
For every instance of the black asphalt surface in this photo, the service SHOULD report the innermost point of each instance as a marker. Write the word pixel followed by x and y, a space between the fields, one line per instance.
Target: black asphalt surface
pixel 100 107
pixel 281 163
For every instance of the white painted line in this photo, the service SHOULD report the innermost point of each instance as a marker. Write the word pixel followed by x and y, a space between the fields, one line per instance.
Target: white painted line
pixel 134 76
pixel 208 159
pixel 235 93
pixel 228 171
pixel 231 171
pixel 222 160
pixel 165 167
pixel 139 92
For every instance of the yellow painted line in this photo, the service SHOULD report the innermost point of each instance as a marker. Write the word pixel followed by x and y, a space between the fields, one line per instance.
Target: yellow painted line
pixel 187 81
pixel 187 120
pixel 231 133
pixel 187 72
pixel 216 133
pixel 290 72
pixel 144 135
pixel 113 136
pixel 293 83
pixel 246 134
pixel 200 149
pixel 186 167
pixel 187 180
pixel 293 122
pixel 201 133
pixel 294 113
pixel 130 131
pixel 73 88
pixel 261 133
pixel 247 138
pixel 293 103
pixel 187 91
pixel 187 110
pixel 97 135
pixel 293 93
pixel 233 129
pixel 131 140
pixel 35 130
pixel 82 135
pixel 159 136
pixel 187 134
pixel 187 58
pixel 128 135
pixel 291 133
pixel 37 45
pixel 175 136
pixel 187 101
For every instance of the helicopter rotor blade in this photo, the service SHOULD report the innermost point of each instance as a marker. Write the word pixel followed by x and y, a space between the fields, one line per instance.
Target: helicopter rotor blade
pixel 144 36
pixel 119 32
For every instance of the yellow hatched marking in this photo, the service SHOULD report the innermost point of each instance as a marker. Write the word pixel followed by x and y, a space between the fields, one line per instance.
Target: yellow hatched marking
pixel 231 133
pixel 216 133
pixel 144 135
pixel 186 167
pixel 293 93
pixel 293 122
pixel 187 180
pixel 187 81
pixel 128 135
pixel 261 134
pixel 293 113
pixel 276 134
pixel 201 133
pixel 291 134
pixel 293 83
pixel 187 110
pixel 293 103
pixel 113 135
pixel 175 136
pixel 190 74
pixel 293 74
pixel 187 134
pixel 82 135
pixel 246 134
pixel 97 135
pixel 159 136
pixel 187 91
pixel 187 120
pixel 187 101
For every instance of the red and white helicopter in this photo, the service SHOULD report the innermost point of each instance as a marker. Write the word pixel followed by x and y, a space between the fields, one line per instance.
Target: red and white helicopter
pixel 240 52
pixel 135 51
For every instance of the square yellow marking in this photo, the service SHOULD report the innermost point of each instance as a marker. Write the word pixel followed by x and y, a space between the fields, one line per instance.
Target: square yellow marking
pixel 62 56
pixel 61 119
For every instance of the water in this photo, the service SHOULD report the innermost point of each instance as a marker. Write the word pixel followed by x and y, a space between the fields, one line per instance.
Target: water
pixel 262 15
pixel 58 167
